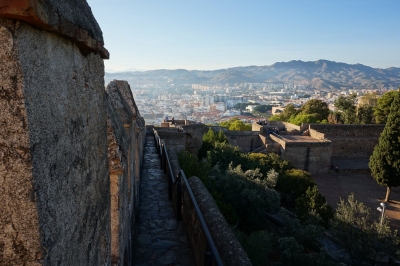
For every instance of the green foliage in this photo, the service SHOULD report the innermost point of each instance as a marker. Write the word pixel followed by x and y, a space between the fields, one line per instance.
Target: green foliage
pixel 299 244
pixel 265 162
pixel 294 182
pixel 223 154
pixel 303 118
pixel 312 203
pixel 317 108
pixel 382 110
pixel 289 111
pixel 276 118
pixel 385 159
pixel 208 143
pixel 365 240
pixel 241 106
pixel 257 246
pixel 251 200
pixel 369 99
pixel 209 139
pixel 263 108
pixel 347 106
pixel 192 167
pixel 365 114
pixel 221 137
pixel 235 124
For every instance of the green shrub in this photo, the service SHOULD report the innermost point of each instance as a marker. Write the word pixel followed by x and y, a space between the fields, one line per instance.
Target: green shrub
pixel 294 182
pixel 257 246
pixel 251 200
pixel 313 203
pixel 365 240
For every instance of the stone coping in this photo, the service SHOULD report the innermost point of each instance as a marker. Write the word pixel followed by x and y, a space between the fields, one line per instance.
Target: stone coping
pixel 72 19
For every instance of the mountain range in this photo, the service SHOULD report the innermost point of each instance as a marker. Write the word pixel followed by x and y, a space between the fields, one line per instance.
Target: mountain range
pixel 321 74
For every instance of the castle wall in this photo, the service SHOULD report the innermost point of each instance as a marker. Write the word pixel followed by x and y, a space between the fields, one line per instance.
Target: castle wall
pixel 245 140
pixel 53 150
pixel 311 157
pixel 172 138
pixel 125 150
pixel 349 141
pixel 194 137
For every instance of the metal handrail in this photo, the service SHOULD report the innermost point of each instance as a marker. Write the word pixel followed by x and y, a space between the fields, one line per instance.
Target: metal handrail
pixel 211 250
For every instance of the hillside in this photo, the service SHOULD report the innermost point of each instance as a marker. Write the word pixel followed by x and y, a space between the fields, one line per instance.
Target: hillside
pixel 321 74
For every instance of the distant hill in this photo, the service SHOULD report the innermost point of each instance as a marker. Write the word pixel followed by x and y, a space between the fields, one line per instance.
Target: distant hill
pixel 321 74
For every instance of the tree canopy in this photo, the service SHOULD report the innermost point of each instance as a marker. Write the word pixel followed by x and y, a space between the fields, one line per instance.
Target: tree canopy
pixel 315 107
pixel 385 159
pixel 346 105
pixel 382 109
pixel 235 124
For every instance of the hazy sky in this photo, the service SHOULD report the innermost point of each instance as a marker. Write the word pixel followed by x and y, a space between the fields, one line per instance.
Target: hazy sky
pixel 214 34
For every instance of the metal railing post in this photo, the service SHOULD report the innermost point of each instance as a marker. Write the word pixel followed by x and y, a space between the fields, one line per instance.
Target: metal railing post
pixel 179 198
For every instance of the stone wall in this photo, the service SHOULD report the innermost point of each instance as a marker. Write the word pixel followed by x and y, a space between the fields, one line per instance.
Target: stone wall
pixel 173 138
pixel 229 248
pixel 349 141
pixel 124 158
pixel 245 140
pixel 194 137
pixel 314 157
pixel 56 121
pixel 53 147
pixel 311 157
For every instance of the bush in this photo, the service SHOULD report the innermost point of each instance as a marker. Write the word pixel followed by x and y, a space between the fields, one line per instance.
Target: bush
pixel 294 182
pixel 313 203
pixel 224 154
pixel 251 201
pixel 257 245
pixel 265 162
pixel 366 241
pixel 192 167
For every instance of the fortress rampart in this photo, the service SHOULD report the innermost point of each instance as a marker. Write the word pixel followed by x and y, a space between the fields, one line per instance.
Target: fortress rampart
pixel 349 141
pixel 69 157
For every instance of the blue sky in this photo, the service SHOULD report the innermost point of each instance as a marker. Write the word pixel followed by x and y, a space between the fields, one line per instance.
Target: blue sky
pixel 214 34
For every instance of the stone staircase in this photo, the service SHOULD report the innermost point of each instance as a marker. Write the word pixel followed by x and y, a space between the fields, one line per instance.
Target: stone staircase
pixel 159 238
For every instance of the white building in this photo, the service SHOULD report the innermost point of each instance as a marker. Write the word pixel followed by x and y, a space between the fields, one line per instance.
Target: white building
pixel 207 100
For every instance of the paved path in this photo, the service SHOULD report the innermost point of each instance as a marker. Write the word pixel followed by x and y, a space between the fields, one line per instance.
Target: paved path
pixel 159 238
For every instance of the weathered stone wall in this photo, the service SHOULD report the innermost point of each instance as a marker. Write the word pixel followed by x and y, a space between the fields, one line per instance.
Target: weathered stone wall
pixel 194 137
pixel 125 143
pixel 245 140
pixel 311 157
pixel 172 138
pixel 118 164
pixel 314 157
pixel 53 147
pixel 229 248
pixel 291 127
pixel 349 141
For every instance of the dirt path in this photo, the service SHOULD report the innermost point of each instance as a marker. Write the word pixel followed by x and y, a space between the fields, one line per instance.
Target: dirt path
pixel 339 185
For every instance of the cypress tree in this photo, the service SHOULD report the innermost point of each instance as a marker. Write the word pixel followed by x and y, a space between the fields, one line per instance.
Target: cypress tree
pixel 385 160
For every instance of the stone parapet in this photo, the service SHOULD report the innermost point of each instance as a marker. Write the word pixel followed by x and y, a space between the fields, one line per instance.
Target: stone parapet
pixel 71 19
pixel 229 248
pixel 53 149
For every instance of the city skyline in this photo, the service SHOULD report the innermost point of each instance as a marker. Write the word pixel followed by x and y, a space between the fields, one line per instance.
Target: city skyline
pixel 220 34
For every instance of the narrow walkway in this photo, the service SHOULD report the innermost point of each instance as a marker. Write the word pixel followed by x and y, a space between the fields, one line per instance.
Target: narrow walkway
pixel 159 238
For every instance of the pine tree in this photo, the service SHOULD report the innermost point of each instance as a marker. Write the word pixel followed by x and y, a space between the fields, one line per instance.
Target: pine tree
pixel 385 160
pixel 221 137
pixel 208 143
